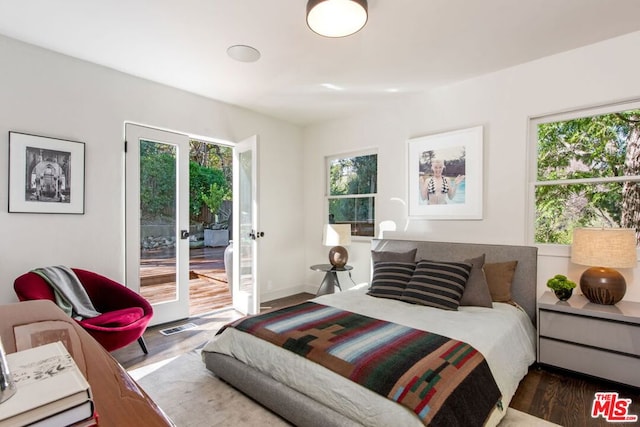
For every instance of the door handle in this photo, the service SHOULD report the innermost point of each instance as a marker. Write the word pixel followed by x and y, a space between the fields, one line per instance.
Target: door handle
pixel 256 235
pixel 184 234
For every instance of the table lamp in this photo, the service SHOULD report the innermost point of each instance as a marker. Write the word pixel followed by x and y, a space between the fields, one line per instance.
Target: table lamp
pixel 338 236
pixel 604 249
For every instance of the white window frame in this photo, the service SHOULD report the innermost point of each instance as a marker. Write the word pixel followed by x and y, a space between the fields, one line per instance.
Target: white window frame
pixel 327 191
pixel 555 249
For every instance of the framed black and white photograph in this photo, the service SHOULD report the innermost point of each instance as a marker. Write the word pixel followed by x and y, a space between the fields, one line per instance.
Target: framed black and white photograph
pixel 46 175
pixel 445 175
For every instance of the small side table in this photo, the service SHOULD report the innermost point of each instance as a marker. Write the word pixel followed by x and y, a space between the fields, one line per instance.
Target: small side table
pixel 593 339
pixel 330 280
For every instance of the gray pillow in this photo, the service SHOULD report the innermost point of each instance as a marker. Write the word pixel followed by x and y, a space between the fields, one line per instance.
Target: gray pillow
pixel 476 292
pixel 409 256
pixel 437 284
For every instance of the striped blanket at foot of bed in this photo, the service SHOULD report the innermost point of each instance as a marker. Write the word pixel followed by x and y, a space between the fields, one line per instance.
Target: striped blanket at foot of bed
pixel 445 382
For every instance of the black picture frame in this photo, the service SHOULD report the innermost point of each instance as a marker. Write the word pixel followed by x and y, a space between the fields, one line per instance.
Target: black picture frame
pixel 46 174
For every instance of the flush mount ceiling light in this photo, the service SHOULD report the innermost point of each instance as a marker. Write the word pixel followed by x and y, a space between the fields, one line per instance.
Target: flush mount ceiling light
pixel 243 53
pixel 336 18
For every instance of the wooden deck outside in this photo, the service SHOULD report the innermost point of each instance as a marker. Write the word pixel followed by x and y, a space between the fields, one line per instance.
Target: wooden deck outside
pixel 208 286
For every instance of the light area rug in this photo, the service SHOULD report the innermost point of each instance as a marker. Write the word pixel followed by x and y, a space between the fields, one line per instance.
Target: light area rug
pixel 192 396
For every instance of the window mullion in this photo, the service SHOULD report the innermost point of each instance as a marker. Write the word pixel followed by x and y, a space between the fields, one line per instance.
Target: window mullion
pixel 352 196
pixel 632 178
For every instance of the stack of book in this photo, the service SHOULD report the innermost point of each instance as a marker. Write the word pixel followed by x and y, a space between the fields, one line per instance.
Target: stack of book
pixel 50 390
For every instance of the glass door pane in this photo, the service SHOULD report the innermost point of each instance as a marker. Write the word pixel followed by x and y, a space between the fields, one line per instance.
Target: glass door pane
pixel 245 283
pixel 246 224
pixel 157 219
pixel 158 225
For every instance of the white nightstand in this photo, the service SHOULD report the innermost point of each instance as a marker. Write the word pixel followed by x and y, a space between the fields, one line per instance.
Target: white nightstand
pixel 593 339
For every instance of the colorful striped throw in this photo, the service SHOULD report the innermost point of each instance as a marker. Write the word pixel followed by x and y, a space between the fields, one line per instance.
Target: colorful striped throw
pixel 444 382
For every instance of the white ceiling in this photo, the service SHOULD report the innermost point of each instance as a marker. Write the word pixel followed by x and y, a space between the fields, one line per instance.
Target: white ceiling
pixel 407 46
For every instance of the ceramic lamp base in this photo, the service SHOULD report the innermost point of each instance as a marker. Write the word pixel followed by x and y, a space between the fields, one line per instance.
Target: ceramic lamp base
pixel 338 256
pixel 603 285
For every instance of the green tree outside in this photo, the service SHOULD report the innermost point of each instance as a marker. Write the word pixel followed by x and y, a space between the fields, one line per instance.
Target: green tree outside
pixel 353 176
pixel 158 173
pixel 594 150
pixel 210 169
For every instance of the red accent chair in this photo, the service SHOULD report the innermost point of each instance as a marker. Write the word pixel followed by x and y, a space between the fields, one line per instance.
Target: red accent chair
pixel 125 314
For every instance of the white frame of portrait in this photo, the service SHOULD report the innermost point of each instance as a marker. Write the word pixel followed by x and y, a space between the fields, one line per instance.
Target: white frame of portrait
pixel 18 145
pixel 471 140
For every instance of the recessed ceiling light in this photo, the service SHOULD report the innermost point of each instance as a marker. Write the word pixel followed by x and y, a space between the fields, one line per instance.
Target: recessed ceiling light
pixel 243 53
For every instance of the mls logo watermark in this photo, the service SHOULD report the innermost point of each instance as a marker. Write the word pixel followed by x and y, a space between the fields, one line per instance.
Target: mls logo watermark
pixel 612 408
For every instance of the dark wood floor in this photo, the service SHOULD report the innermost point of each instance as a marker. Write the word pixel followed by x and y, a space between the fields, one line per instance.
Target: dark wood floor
pixel 557 396
pixel 566 398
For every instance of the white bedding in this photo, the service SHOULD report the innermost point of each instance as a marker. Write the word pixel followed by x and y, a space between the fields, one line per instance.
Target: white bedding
pixel 503 334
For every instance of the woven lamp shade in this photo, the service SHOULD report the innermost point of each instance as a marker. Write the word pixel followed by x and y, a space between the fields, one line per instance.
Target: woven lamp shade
pixel 604 249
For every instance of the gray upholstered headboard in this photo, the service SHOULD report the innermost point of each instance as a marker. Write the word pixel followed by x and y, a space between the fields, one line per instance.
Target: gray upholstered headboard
pixel 524 282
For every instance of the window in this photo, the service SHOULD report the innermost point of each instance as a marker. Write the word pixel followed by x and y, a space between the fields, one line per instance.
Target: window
pixel 587 172
pixel 351 191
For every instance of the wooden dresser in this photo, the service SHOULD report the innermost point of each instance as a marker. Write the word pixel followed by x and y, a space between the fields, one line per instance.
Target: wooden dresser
pixel 119 401
pixel 593 339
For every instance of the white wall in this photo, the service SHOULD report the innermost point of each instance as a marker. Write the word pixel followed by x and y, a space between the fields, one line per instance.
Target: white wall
pixel 53 95
pixel 49 94
pixel 502 102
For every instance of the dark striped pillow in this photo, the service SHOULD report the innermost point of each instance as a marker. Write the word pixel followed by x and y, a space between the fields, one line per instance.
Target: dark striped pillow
pixel 437 284
pixel 390 278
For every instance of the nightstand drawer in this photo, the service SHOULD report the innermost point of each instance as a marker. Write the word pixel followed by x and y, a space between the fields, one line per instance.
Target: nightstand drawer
pixel 591 361
pixel 602 333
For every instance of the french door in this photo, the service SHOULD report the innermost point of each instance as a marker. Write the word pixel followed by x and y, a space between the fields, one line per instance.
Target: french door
pixel 157 219
pixel 245 291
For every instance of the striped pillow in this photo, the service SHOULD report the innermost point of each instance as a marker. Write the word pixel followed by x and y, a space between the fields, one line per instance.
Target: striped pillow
pixel 437 284
pixel 390 278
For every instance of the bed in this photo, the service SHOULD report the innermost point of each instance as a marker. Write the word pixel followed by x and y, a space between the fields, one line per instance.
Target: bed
pixel 308 394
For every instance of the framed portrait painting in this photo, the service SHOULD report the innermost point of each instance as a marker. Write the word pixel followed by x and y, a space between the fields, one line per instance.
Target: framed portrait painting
pixel 445 175
pixel 46 175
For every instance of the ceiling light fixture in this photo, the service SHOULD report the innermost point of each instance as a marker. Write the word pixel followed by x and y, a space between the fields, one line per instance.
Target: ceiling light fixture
pixel 243 53
pixel 336 18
